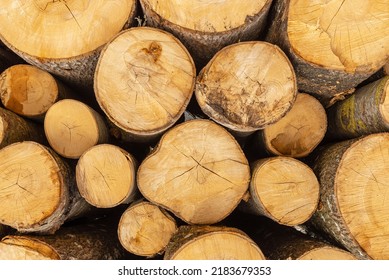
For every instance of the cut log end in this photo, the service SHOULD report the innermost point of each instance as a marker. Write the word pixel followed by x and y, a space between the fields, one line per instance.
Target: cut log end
pixel 28 91
pixel 144 81
pixel 198 171
pixel 212 243
pixel 72 127
pixel 21 248
pixel 283 189
pixel 245 99
pixel 30 185
pixel 337 33
pixel 384 103
pixel 105 176
pixel 299 132
pixel 145 230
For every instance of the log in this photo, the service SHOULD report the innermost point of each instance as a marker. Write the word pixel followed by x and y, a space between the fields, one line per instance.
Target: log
pixel 14 128
pixel 331 46
pixel 144 81
pixel 365 112
pixel 283 189
pixel 353 209
pixel 247 86
pixel 386 68
pixel 212 243
pixel 279 242
pixel 205 27
pixel 37 189
pixel 29 91
pixel 81 240
pixel 14 247
pixel 105 176
pixel 145 229
pixel 198 172
pixel 72 127
pixel 297 134
pixel 39 38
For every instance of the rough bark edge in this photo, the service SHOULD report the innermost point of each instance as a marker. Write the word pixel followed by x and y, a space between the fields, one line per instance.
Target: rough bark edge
pixel 78 70
pixel 130 135
pixel 328 217
pixel 185 234
pixel 204 45
pixel 327 85
pixel 359 114
pixel 18 129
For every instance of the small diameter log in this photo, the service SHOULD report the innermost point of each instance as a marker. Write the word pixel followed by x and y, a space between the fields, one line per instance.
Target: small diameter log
pixel 105 176
pixel 212 243
pixel 283 189
pixel 353 207
pixel 14 128
pixel 365 112
pixel 144 81
pixel 25 248
pixel 37 189
pixel 247 86
pixel 205 27
pixel 297 134
pixel 285 243
pixel 332 47
pixel 198 171
pixel 29 91
pixel 145 229
pixel 72 127
pixel 39 38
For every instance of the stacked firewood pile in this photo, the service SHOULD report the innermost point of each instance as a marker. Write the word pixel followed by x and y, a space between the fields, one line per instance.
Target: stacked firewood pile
pixel 194 129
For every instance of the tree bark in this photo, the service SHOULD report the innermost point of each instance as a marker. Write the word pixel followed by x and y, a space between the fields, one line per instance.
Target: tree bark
pixel 353 206
pixel 105 176
pixel 145 229
pixel 207 27
pixel 327 44
pixel 144 81
pixel 212 243
pixel 246 99
pixel 198 171
pixel 297 134
pixel 37 189
pixel 14 128
pixel 365 112
pixel 285 243
pixel 72 127
pixel 41 41
pixel 30 92
pixel 282 189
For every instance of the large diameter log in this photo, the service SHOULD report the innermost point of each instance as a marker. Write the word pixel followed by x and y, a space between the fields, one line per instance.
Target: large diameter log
pixel 212 243
pixel 105 176
pixel 205 27
pixel 332 47
pixel 247 86
pixel 145 229
pixel 353 207
pixel 297 134
pixel 14 128
pixel 198 171
pixel 41 40
pixel 14 247
pixel 37 189
pixel 365 112
pixel 72 127
pixel 283 189
pixel 285 243
pixel 144 81
pixel 29 91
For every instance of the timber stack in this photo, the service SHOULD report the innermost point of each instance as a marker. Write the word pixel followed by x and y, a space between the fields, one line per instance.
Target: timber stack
pixel 201 130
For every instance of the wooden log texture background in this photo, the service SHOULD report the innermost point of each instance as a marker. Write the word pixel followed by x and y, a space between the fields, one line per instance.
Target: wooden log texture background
pixel 142 128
